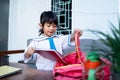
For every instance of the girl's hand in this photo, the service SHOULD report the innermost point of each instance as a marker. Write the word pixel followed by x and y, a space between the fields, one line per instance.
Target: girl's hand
pixel 29 52
pixel 73 34
pixel 78 31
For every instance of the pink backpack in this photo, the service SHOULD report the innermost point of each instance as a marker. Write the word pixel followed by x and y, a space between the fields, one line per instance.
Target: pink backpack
pixel 78 67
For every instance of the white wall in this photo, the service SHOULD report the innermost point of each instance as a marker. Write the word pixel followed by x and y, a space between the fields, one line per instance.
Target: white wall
pixel 93 14
pixel 23 23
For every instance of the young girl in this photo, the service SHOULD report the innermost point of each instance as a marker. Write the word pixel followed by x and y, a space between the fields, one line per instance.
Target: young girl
pixel 48 26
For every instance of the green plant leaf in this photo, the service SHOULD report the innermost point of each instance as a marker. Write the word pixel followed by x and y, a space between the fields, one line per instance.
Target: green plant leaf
pixel 112 40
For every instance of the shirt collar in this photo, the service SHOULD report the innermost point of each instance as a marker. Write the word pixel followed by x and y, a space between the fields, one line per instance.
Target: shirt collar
pixel 48 37
pixel 43 37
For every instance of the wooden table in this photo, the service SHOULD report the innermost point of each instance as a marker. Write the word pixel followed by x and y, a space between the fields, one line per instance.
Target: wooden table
pixel 28 73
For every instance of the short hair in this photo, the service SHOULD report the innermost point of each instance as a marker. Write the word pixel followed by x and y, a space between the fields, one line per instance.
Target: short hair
pixel 49 17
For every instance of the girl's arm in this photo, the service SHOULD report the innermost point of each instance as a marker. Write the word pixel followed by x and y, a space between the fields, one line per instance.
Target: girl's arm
pixel 30 50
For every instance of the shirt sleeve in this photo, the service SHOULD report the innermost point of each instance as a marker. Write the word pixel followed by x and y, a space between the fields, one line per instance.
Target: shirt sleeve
pixel 33 57
pixel 66 43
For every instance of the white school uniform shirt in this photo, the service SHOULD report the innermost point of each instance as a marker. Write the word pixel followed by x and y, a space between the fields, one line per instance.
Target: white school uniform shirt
pixel 61 42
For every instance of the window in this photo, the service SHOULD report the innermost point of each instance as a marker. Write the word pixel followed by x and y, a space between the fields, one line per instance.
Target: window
pixel 63 10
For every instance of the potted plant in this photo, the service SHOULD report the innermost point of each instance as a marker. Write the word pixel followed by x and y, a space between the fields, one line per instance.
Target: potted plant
pixel 112 40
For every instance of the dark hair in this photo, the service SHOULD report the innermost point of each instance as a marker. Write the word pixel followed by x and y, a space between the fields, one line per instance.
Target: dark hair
pixel 49 17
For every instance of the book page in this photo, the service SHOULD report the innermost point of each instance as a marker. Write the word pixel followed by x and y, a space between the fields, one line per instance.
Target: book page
pixel 51 54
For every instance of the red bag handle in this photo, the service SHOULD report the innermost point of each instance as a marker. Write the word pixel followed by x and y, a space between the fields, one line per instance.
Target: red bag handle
pixel 77 46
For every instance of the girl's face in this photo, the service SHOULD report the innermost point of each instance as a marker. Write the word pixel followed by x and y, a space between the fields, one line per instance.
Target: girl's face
pixel 49 29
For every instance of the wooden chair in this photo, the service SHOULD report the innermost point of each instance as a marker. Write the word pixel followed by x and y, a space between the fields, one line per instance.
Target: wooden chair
pixel 4 58
pixel 2 53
